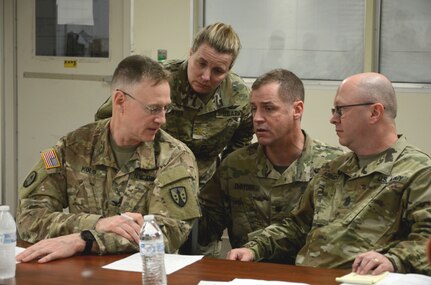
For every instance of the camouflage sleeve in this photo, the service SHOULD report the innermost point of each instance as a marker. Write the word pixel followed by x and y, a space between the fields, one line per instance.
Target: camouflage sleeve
pixel 214 217
pixel 111 243
pixel 244 133
pixel 175 200
pixel 42 198
pixel 409 255
pixel 105 110
pixel 289 235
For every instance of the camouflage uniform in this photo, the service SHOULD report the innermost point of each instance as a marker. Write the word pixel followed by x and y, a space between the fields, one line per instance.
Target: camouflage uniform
pixel 384 206
pixel 160 178
pixel 247 194
pixel 207 128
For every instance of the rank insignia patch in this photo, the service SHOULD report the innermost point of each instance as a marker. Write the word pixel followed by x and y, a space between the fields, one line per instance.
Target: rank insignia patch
pixel 50 158
pixel 179 195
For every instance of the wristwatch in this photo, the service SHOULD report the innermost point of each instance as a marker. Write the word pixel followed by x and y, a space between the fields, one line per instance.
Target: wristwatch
pixel 88 237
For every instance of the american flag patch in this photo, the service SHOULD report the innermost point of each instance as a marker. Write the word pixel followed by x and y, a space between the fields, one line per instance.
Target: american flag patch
pixel 50 158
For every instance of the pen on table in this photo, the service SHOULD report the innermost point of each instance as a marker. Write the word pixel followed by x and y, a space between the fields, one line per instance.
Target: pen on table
pixel 127 217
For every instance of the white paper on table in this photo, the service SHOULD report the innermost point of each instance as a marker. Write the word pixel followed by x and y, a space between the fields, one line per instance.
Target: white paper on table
pixel 403 279
pixel 173 262
pixel 240 281
pixel 18 250
pixel 213 282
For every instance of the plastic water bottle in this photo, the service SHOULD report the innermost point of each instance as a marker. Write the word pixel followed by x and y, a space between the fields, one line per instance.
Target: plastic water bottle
pixel 152 251
pixel 7 244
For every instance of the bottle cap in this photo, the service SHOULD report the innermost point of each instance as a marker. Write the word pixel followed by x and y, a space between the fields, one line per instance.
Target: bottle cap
pixel 148 217
pixel 4 208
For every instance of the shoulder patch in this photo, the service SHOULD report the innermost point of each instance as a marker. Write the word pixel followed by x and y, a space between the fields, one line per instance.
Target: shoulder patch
pixel 30 179
pixel 179 195
pixel 50 158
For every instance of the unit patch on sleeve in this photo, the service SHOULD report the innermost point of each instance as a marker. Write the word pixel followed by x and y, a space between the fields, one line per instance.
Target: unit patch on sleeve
pixel 50 158
pixel 179 195
pixel 30 179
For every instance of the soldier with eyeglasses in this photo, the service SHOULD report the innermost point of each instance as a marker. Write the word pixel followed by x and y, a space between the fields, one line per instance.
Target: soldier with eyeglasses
pixel 368 210
pixel 89 193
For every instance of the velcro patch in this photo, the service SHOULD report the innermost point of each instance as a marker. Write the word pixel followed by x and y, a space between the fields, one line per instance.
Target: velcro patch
pixel 30 179
pixel 50 158
pixel 179 195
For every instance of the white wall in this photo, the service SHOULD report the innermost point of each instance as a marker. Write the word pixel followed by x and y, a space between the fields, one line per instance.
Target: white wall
pixel 162 24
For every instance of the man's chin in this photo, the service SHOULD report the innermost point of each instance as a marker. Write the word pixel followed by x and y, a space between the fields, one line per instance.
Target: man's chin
pixel 149 137
pixel 263 141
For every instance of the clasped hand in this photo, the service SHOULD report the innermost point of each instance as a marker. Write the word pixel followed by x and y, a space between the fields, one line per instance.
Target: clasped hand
pixel 372 262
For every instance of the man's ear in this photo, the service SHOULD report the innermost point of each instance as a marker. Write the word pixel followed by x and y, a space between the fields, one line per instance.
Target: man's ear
pixel 118 100
pixel 377 112
pixel 298 109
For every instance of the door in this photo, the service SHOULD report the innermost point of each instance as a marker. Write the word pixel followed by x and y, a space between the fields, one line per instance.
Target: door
pixel 57 94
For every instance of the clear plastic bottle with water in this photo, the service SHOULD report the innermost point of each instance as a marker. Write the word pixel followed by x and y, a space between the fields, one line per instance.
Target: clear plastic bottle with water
pixel 152 251
pixel 7 243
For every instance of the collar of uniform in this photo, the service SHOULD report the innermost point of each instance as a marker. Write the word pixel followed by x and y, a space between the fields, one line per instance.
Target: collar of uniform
pixel 178 81
pixel 383 164
pixel 299 170
pixel 102 153
pixel 182 80
pixel 145 154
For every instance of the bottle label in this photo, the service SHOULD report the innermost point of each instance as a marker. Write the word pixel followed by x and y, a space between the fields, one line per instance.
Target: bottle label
pixel 7 238
pixel 152 248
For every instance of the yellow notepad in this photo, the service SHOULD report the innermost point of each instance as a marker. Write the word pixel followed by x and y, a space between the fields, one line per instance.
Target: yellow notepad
pixel 355 278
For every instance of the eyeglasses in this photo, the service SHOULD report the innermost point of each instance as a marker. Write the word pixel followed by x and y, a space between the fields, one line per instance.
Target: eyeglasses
pixel 338 110
pixel 152 109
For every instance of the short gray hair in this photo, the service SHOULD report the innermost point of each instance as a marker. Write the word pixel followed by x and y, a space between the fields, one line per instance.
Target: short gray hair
pixel 135 68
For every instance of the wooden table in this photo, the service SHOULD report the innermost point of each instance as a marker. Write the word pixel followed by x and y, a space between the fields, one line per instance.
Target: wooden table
pixel 87 270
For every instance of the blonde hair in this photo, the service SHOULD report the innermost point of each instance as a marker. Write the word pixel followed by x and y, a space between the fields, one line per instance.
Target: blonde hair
pixel 220 37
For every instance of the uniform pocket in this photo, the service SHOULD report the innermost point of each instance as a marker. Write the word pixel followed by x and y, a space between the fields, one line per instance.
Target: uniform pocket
pixel 376 217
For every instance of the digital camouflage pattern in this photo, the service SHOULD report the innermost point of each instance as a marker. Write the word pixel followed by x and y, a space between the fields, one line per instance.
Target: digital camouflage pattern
pixel 161 178
pixel 384 206
pixel 247 194
pixel 220 125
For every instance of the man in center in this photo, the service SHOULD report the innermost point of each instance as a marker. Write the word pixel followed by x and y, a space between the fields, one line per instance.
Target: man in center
pixel 260 184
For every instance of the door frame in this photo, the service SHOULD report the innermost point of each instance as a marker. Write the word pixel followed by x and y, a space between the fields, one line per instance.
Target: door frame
pixel 9 92
pixel 8 118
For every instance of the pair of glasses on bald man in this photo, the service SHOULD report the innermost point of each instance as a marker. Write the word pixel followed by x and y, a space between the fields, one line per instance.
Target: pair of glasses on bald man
pixel 338 110
pixel 151 109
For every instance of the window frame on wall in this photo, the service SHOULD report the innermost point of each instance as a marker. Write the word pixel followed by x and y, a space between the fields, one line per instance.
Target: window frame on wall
pixel 371 54
pixel 400 55
pixel 304 45
pixel 72 31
